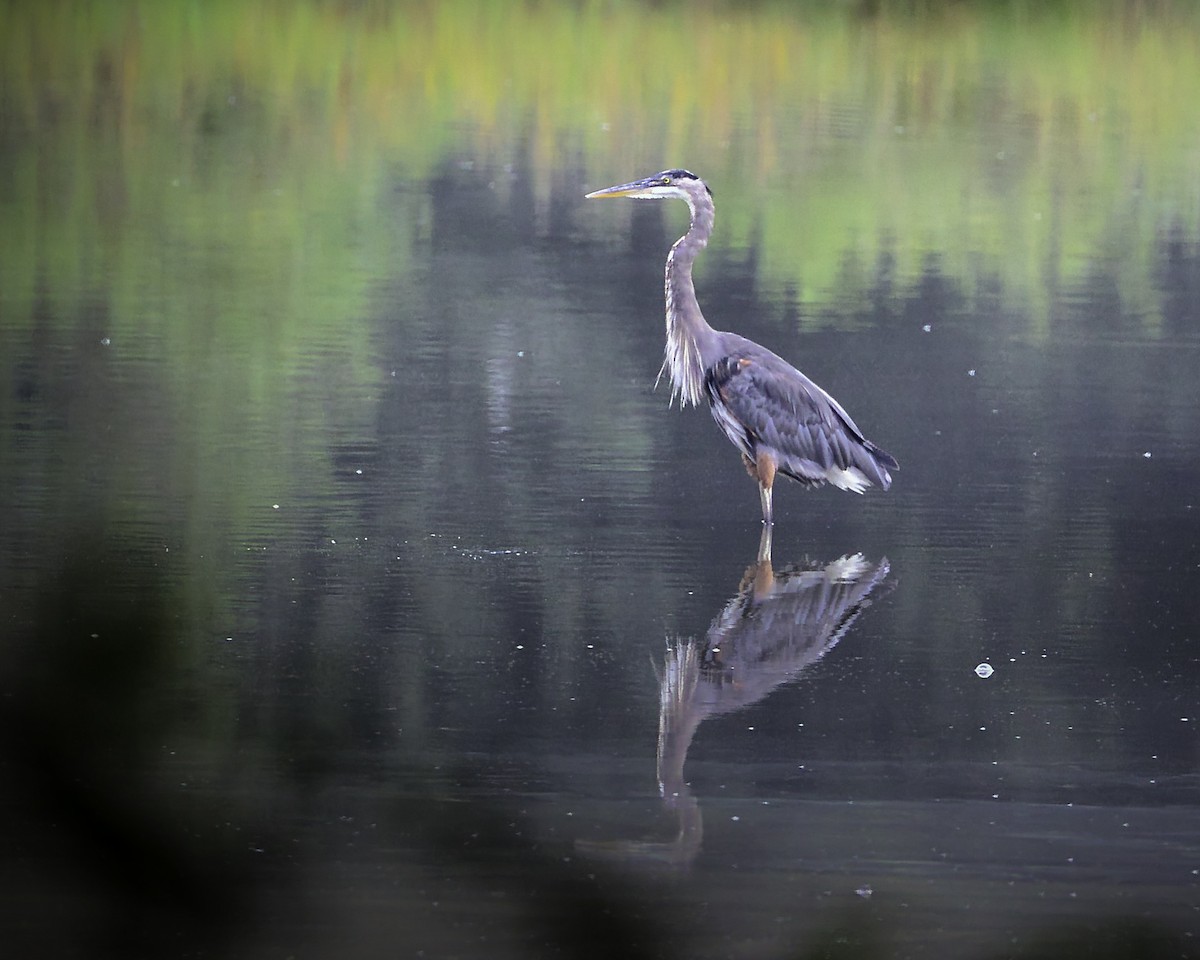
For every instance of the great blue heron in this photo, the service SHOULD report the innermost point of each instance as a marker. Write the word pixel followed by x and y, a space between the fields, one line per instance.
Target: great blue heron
pixel 780 420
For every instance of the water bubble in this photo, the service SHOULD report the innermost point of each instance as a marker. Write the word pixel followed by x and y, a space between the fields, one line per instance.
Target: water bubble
pixel 984 670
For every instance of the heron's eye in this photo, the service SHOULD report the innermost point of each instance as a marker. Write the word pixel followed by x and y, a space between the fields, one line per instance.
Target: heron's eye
pixel 665 181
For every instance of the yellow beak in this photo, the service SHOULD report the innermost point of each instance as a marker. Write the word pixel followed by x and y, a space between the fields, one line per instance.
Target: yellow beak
pixel 638 188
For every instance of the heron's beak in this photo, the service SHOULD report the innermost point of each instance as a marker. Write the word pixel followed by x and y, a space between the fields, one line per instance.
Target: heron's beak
pixel 637 189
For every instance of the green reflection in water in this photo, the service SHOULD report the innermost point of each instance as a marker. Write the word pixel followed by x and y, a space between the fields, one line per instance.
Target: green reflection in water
pixel 1037 139
pixel 208 181
pixel 212 184
pixel 215 182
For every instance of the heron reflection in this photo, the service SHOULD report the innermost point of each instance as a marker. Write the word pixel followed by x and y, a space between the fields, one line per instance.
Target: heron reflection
pixel 780 622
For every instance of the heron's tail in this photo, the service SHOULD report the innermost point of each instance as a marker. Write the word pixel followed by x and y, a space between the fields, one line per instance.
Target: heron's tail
pixel 883 461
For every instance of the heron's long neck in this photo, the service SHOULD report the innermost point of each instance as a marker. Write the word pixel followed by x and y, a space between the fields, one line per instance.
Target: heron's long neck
pixel 688 333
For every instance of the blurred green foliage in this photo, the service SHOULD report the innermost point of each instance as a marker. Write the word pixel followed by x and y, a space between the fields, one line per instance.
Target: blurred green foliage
pixel 270 129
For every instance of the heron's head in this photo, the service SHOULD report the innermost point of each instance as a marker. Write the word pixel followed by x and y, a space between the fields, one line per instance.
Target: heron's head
pixel 677 184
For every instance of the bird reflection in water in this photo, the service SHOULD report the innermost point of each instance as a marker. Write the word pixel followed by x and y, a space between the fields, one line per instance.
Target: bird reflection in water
pixel 779 624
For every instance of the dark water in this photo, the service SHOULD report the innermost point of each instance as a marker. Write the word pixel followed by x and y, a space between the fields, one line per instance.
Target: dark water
pixel 359 595
pixel 423 705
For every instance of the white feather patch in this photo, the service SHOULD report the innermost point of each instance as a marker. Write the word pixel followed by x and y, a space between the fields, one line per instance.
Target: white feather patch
pixel 851 479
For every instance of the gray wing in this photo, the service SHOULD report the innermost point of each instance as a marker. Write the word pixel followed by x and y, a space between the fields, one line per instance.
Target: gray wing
pixel 759 642
pixel 764 404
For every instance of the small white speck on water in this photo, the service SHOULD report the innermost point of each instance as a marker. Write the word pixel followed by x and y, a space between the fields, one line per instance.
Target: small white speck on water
pixel 104 341
pixel 1147 454
pixel 927 327
pixel 358 472
pixel 970 373
pixel 274 506
pixel 984 670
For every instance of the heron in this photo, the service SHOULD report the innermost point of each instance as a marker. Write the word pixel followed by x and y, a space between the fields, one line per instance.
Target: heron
pixel 780 421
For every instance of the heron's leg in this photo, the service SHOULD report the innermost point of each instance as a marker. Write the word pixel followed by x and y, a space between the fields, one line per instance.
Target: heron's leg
pixel 764 494
pixel 764 545
pixel 764 468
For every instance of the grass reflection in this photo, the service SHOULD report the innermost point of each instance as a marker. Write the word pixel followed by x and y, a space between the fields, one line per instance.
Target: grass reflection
pixel 222 191
pixel 223 303
pixel 1036 136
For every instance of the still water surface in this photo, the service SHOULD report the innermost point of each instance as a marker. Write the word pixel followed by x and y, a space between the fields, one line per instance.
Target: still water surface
pixel 448 732
pixel 438 633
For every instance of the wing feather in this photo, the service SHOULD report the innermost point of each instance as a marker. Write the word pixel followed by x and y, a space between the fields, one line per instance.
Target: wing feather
pixel 762 401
